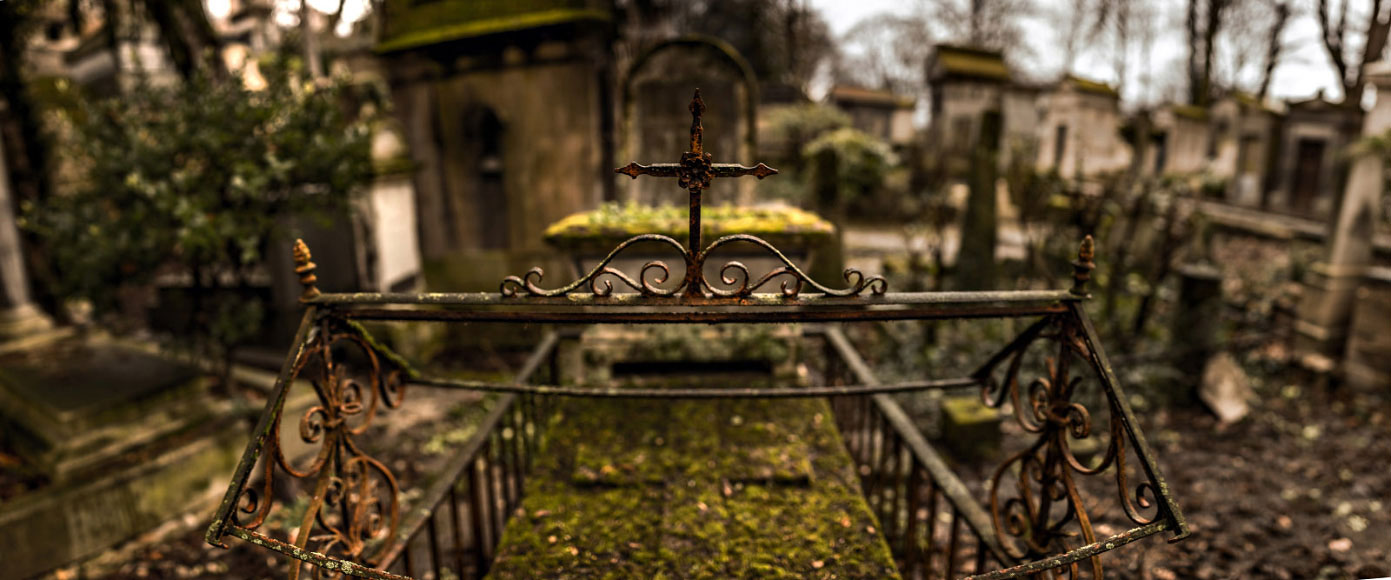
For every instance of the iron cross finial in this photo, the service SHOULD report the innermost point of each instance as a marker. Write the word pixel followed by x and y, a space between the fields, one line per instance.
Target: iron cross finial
pixel 694 173
pixel 697 108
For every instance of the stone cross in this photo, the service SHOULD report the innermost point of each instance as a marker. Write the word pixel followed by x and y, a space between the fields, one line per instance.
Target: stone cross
pixel 694 172
pixel 18 315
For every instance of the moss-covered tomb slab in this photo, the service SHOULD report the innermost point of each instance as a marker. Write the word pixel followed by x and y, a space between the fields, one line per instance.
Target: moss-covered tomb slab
pixel 693 489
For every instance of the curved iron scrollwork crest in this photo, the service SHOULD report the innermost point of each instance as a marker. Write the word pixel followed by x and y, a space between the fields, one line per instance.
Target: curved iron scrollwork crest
pixel 1034 497
pixel 355 509
pixel 694 173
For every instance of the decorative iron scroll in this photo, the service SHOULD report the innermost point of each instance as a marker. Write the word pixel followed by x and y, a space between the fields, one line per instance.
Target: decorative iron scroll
pixel 1034 498
pixel 694 173
pixel 354 511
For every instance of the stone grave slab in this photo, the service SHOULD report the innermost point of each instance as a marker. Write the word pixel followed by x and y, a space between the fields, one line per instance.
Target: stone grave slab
pixel 78 402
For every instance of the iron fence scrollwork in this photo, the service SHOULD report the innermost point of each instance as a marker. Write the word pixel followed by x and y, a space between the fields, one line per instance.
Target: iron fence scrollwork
pixel 1033 519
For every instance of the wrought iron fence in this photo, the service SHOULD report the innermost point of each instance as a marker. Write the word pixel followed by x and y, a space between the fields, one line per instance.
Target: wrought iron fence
pixel 1032 519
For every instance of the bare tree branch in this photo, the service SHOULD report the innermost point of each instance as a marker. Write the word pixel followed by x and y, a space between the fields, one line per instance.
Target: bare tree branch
pixel 1273 50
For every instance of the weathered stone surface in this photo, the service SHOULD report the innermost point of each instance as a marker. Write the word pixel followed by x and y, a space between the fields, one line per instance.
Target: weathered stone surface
pixel 1368 362
pixel 970 428
pixel 76 403
pixel 63 523
pixel 1226 389
pixel 1325 312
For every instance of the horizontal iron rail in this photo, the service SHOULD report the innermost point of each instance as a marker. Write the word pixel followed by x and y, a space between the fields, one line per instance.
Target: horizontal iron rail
pixel 320 560
pixel 454 469
pixel 701 393
pixel 704 316
pixel 950 485
pixel 634 299
pixel 1076 554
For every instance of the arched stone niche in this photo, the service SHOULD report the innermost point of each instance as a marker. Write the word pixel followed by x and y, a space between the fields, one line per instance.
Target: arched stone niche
pixel 656 124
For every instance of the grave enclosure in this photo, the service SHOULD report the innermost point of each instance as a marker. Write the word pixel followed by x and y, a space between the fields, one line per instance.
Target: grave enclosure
pixel 857 486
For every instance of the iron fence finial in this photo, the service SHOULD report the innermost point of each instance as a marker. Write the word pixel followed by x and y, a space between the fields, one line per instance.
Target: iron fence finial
pixel 305 269
pixel 1082 267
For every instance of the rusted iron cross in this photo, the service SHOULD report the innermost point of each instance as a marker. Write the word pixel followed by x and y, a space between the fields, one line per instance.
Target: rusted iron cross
pixel 694 172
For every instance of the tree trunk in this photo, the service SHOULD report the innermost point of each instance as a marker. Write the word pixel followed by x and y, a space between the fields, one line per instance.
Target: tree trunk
pixel 1194 75
pixel 1378 25
pixel 112 13
pixel 188 37
pixel 1272 54
pixel 1215 8
pixel 977 13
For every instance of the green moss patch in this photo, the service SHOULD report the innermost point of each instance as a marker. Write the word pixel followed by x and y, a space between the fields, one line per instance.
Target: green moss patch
pixel 737 488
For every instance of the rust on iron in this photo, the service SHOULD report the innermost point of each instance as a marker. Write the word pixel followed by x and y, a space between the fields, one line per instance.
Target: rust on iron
pixel 354 509
pixel 1082 267
pixel 1030 520
pixel 694 172
pixel 305 269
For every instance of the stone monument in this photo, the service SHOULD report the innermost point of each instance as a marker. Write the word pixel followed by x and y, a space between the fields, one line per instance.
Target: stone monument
pixel 1325 310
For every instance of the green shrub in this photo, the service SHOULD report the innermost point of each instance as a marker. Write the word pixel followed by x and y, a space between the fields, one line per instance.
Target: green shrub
pixel 190 180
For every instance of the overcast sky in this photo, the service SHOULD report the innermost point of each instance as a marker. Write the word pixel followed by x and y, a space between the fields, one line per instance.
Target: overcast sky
pixel 1303 69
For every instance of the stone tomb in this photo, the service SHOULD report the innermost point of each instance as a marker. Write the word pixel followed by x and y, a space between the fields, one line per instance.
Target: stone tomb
pixel 124 439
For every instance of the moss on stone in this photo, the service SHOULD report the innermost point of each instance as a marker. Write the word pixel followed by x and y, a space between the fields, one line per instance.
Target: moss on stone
pixel 614 221
pixel 1190 112
pixel 418 24
pixel 695 489
pixel 1093 87
pixel 972 63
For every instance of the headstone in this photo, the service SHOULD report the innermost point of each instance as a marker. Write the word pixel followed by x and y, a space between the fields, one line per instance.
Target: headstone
pixel 76 399
pixel 659 130
pixel 19 317
pixel 975 266
pixel 1368 362
pixel 1197 319
pixel 1325 310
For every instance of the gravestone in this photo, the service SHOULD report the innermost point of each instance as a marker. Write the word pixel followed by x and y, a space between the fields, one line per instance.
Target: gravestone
pixel 1326 306
pixel 975 265
pixel 1368 362
pixel 1196 322
pixel 664 75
